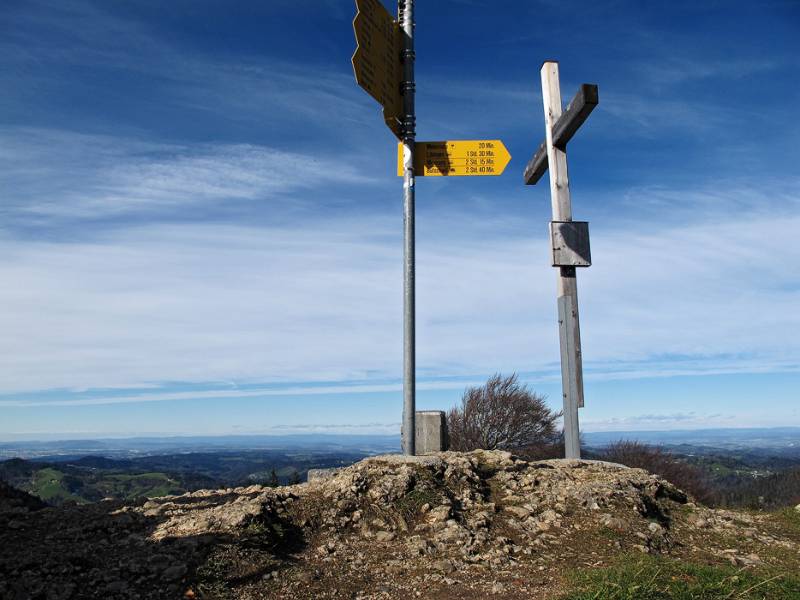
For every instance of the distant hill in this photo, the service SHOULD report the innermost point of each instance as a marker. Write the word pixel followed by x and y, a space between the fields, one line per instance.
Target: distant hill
pixel 93 478
pixel 70 450
pixel 57 483
pixel 13 500
pixel 784 439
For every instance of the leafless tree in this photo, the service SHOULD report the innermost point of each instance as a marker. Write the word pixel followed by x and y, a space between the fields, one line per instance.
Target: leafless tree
pixel 273 479
pixel 502 414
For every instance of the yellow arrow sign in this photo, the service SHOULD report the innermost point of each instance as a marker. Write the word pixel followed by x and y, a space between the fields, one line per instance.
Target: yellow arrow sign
pixel 457 157
pixel 376 61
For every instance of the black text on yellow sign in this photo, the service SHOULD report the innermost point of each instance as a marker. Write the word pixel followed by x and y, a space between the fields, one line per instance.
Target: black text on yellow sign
pixel 376 61
pixel 456 158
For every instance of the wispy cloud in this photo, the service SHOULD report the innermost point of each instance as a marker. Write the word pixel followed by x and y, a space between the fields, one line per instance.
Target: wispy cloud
pixel 672 70
pixel 259 91
pixel 659 421
pixel 71 175
pixel 77 399
pixel 320 300
pixel 650 115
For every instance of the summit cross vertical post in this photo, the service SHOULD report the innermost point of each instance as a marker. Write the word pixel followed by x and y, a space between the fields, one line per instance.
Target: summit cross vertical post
pixel 569 240
pixel 405 19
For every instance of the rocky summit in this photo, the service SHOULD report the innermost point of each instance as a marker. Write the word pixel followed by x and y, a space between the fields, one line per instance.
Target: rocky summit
pixel 452 525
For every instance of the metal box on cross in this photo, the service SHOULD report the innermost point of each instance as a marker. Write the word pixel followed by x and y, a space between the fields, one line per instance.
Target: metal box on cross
pixel 569 244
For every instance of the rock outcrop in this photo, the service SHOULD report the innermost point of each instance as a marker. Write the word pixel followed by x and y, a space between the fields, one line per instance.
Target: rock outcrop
pixel 446 526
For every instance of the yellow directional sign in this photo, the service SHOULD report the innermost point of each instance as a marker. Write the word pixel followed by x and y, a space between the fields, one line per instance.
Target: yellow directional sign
pixel 376 61
pixel 454 158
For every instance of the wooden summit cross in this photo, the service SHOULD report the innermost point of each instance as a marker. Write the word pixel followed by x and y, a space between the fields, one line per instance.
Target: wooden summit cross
pixel 569 240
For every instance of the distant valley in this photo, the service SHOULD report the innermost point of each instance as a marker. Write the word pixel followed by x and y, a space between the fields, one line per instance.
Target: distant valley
pixel 83 471
pixel 93 478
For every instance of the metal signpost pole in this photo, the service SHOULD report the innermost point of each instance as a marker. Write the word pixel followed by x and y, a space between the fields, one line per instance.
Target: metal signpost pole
pixel 405 18
pixel 383 64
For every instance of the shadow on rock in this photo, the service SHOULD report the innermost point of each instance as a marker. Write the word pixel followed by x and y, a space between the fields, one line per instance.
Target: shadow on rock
pixel 152 549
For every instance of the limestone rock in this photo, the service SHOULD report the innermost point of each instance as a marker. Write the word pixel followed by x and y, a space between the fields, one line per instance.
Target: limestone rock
pixel 488 522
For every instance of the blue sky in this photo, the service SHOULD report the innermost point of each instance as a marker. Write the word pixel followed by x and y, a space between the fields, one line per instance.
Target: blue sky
pixel 201 226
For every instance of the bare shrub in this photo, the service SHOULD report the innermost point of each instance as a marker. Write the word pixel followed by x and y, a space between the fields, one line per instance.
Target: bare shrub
pixel 688 477
pixel 545 450
pixel 273 479
pixel 503 414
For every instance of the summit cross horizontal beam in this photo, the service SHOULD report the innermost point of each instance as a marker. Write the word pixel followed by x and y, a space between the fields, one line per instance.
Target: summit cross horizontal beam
pixel 572 118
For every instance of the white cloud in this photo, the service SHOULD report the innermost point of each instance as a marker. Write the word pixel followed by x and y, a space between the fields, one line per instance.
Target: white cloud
pixel 69 175
pixel 316 301
pixel 156 395
pixel 716 290
pixel 662 421
pixel 670 70
pixel 320 300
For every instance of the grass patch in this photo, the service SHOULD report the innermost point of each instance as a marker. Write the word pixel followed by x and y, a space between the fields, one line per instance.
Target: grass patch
pixel 49 485
pixel 133 485
pixel 211 578
pixel 410 504
pixel 608 533
pixel 789 518
pixel 658 578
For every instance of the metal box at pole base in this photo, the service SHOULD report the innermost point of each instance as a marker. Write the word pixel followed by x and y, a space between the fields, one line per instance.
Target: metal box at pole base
pixel 431 432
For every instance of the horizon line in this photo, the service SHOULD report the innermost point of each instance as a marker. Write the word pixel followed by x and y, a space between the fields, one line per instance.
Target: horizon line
pixel 179 436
